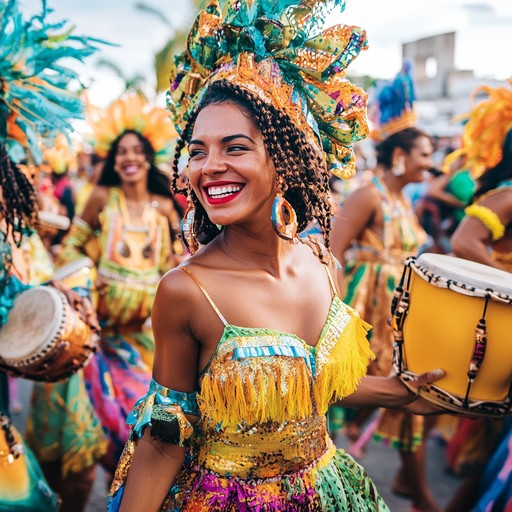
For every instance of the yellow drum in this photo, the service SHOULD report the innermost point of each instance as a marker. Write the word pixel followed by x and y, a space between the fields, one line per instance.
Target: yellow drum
pixel 456 315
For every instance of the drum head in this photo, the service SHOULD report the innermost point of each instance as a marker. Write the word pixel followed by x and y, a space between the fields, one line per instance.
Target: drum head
pixel 465 272
pixel 72 268
pixel 32 325
pixel 54 220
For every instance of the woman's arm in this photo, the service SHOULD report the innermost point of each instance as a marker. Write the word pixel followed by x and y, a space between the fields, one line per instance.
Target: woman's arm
pixel 156 464
pixel 79 241
pixel 473 238
pixel 355 214
pixel 436 190
pixel 391 393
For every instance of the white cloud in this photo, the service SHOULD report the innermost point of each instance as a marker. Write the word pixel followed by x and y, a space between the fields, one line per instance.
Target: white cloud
pixel 483 29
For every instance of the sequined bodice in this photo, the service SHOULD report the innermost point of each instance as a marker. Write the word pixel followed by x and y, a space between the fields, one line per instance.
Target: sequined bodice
pixel 244 435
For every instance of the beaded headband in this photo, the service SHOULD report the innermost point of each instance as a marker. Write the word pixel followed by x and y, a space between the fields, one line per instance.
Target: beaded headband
pixel 132 112
pixel 36 99
pixel 487 126
pixel 395 104
pixel 278 51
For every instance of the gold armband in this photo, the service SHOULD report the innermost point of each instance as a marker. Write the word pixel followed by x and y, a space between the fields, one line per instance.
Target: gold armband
pixel 488 218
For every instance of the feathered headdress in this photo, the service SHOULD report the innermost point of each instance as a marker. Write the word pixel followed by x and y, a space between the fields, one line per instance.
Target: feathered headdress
pixel 485 131
pixel 35 95
pixel 279 51
pixel 395 104
pixel 132 112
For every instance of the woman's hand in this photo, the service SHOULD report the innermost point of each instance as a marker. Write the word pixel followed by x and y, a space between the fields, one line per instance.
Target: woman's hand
pixel 409 394
pixel 392 393
pixel 80 304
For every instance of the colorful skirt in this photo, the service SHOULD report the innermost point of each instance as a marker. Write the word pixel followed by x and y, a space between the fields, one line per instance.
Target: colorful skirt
pixel 334 483
pixel 83 420
pixel 116 378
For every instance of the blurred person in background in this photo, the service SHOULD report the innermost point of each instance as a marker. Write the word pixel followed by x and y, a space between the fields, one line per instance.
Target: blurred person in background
pixel 378 229
pixel 125 232
pixel 482 449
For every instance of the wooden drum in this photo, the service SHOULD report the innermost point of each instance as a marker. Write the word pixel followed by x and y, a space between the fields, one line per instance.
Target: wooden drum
pixel 45 339
pixel 456 315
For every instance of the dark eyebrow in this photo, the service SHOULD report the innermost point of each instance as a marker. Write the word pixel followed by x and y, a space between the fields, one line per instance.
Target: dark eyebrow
pixel 229 138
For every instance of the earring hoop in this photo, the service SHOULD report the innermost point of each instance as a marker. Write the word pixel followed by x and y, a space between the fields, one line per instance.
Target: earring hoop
pixel 188 234
pixel 284 218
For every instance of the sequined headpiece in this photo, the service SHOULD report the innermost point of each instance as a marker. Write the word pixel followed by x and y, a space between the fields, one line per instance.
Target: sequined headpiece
pixel 36 99
pixel 395 104
pixel 487 126
pixel 278 51
pixel 132 112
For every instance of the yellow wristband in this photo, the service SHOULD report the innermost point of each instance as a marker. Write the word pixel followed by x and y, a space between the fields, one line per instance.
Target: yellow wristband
pixel 488 218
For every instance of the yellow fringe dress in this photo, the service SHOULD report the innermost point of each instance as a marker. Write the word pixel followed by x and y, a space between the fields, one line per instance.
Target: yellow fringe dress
pixel 261 442
pixel 83 419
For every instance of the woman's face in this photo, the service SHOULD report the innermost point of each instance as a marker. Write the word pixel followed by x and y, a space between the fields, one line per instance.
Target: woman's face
pixel 230 169
pixel 130 161
pixel 419 160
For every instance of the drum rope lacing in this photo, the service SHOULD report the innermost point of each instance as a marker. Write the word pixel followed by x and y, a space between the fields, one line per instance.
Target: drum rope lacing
pixel 399 310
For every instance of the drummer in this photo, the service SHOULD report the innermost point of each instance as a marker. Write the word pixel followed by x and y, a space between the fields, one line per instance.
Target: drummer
pixel 485 236
pixel 377 228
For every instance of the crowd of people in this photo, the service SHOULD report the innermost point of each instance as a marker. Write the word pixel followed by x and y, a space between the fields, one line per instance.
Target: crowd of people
pixel 234 333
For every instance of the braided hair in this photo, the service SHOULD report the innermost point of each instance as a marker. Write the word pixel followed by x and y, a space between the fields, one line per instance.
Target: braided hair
pixel 18 204
pixel 301 170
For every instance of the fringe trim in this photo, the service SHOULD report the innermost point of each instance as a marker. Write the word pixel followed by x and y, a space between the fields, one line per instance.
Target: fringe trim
pixel 347 364
pixel 256 392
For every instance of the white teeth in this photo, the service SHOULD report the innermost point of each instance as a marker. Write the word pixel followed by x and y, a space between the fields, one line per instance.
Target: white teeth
pixel 219 192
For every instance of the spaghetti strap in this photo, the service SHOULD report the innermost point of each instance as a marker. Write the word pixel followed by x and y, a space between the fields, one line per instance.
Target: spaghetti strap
pixel 331 281
pixel 206 294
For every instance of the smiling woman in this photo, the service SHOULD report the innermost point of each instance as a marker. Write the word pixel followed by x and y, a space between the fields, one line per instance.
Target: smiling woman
pixel 252 341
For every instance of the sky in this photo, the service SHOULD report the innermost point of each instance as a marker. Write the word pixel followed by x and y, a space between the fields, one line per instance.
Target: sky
pixel 483 40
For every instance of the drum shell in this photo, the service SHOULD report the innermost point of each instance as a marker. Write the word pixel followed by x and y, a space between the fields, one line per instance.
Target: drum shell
pixel 439 332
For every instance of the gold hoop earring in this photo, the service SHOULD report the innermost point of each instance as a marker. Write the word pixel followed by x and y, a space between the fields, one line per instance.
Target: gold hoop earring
pixel 398 169
pixel 147 165
pixel 284 218
pixel 188 234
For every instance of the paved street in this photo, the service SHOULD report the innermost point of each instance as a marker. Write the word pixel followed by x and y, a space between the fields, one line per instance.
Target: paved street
pixel 380 462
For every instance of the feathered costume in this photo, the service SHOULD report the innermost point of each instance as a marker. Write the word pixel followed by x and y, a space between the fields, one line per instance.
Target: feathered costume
pixel 261 442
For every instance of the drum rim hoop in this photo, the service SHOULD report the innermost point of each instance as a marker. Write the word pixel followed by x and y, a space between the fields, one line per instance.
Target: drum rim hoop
pixel 456 286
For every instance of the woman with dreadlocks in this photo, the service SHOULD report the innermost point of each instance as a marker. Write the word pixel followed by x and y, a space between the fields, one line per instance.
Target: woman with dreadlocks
pixel 252 340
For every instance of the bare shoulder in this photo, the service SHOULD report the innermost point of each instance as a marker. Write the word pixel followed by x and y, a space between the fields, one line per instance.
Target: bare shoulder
pixel 95 204
pixel 163 204
pixel 367 193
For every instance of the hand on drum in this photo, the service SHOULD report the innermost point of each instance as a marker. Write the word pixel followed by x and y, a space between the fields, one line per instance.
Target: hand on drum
pixel 412 400
pixel 80 304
